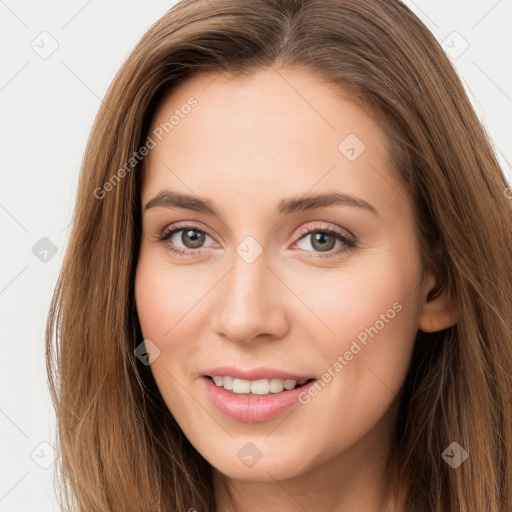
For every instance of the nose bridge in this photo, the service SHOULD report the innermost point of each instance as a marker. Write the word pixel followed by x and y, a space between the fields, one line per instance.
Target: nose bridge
pixel 248 306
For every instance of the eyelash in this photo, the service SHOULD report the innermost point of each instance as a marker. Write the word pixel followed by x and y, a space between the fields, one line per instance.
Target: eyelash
pixel 349 241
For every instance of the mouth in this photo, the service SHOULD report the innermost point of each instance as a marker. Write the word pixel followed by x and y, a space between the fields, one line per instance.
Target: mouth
pixel 259 387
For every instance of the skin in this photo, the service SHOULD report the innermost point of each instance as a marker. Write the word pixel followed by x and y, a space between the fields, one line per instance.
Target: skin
pixel 247 145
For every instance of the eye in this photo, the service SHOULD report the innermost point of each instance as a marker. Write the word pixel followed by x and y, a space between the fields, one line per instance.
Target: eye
pixel 323 240
pixel 191 237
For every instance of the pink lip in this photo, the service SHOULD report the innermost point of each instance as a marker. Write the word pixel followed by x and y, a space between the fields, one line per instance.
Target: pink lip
pixel 254 373
pixel 252 408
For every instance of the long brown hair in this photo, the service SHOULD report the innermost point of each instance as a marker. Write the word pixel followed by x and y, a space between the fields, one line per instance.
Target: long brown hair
pixel 120 447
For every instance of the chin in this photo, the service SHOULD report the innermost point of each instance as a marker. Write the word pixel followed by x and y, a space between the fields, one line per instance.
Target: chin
pixel 279 466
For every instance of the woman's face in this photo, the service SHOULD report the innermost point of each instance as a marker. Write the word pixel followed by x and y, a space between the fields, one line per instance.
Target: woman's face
pixel 262 285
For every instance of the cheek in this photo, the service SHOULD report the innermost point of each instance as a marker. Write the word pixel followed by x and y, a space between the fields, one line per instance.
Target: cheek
pixel 369 316
pixel 168 308
pixel 166 301
pixel 358 298
pixel 171 304
pixel 366 357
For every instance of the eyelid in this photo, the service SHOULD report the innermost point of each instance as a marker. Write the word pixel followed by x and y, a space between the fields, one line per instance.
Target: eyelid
pixel 308 228
pixel 183 225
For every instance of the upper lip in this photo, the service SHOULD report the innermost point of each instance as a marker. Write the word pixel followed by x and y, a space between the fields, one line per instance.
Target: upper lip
pixel 255 373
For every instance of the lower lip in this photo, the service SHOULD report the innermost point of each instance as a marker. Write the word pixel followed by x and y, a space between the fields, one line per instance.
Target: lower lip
pixel 252 408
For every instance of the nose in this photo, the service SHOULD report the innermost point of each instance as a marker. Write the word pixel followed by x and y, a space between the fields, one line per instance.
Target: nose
pixel 251 302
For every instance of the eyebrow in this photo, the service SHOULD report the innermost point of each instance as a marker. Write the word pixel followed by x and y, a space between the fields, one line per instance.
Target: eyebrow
pixel 169 199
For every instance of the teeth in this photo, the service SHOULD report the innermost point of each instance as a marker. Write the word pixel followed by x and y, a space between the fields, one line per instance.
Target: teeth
pixel 227 382
pixel 241 386
pixel 276 385
pixel 256 387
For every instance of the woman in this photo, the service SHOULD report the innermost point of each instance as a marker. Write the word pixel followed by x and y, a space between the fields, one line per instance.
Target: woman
pixel 288 281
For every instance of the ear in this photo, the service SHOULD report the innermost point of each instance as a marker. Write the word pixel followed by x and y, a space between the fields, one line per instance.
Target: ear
pixel 438 310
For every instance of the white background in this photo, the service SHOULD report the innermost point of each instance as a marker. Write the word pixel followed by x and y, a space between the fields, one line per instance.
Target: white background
pixel 47 110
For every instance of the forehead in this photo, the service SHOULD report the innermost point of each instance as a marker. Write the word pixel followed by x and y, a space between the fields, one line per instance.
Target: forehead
pixel 275 130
